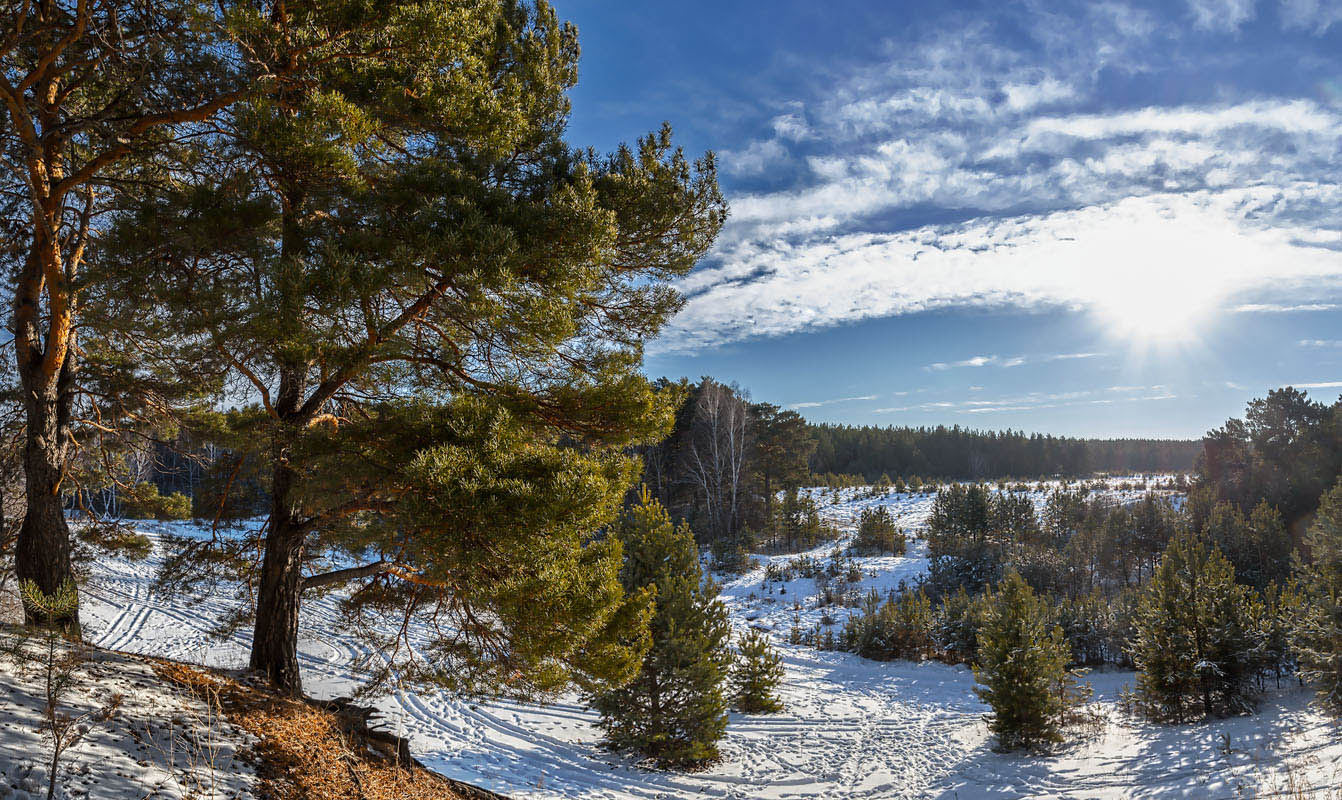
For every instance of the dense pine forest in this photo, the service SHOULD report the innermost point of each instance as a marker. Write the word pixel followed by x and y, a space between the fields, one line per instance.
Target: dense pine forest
pixel 962 454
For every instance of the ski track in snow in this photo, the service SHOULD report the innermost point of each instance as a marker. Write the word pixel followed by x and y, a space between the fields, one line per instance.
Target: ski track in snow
pixel 852 728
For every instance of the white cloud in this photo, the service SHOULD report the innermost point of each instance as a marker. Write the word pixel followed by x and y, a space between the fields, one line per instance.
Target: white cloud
pixel 1282 308
pixel 1295 116
pixel 1028 96
pixel 1164 256
pixel 1049 203
pixel 1032 401
pixel 755 159
pixel 976 361
pixel 1316 16
pixel 1221 15
pixel 792 127
pixel 1086 159
pixel 1004 362
pixel 1320 343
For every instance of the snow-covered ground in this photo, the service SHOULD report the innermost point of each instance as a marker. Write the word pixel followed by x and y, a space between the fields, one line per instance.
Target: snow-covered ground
pixel 162 743
pixel 852 729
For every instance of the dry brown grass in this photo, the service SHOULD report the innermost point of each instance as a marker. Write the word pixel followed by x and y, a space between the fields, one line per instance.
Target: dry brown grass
pixel 306 752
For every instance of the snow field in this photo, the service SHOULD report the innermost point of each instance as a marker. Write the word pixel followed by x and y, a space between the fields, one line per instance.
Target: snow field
pixel 161 744
pixel 853 728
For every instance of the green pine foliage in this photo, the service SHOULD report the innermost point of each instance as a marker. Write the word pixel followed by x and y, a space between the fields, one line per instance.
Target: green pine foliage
pixel 756 675
pixel 1282 606
pixel 1286 452
pixel 1197 633
pixel 1022 666
pixel 956 628
pixel 796 524
pixel 877 533
pixel 783 445
pixel 1096 627
pixel 1318 639
pixel 1257 545
pixel 145 502
pixel 966 543
pixel 675 710
pixel 900 628
pixel 475 473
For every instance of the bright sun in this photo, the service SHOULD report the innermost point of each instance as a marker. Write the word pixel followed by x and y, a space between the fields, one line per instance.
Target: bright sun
pixel 1152 316
pixel 1156 284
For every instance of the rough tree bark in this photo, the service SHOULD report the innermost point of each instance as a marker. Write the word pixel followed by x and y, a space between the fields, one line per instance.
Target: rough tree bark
pixel 42 552
pixel 275 638
pixel 46 368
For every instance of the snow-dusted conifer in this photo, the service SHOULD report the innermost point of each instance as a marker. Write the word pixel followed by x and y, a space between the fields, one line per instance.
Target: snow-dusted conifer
pixel 756 675
pixel 1319 632
pixel 675 710
pixel 1197 633
pixel 1022 660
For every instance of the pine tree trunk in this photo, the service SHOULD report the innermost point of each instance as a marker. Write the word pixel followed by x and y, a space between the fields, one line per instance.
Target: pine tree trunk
pixel 275 638
pixel 42 552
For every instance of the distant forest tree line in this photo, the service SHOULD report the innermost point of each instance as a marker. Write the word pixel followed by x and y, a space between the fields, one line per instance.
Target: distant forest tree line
pixel 956 453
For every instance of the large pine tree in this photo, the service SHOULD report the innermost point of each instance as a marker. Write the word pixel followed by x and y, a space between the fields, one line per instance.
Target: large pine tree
pixel 675 711
pixel 438 308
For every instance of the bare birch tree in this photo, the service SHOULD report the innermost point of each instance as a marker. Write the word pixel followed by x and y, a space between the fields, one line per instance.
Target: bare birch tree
pixel 717 453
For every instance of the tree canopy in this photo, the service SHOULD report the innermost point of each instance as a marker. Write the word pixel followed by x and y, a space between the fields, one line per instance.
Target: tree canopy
pixel 432 303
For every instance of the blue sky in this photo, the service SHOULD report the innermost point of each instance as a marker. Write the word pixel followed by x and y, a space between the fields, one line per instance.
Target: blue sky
pixel 1090 218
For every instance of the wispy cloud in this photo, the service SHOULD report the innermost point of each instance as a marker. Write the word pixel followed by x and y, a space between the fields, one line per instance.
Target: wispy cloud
pixel 1006 362
pixel 976 361
pixel 1279 308
pixel 831 402
pixel 1165 254
pixel 755 158
pixel 1034 401
pixel 1316 16
pixel 1320 343
pixel 1221 15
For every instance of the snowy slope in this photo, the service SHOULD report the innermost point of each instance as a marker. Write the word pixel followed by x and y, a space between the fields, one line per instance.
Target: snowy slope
pixel 853 728
pixel 162 743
